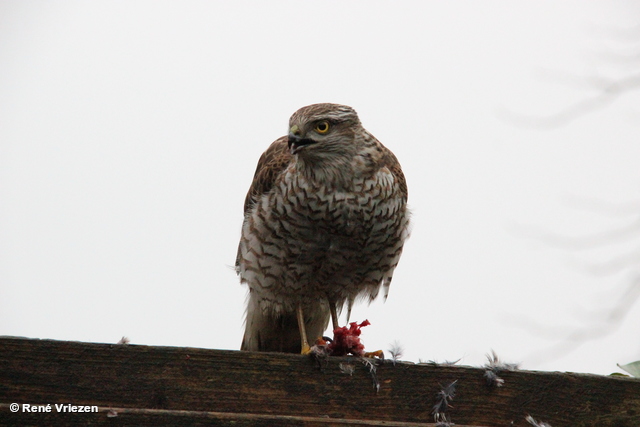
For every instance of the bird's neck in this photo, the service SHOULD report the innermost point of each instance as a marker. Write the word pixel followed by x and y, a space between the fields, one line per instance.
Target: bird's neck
pixel 340 174
pixel 337 172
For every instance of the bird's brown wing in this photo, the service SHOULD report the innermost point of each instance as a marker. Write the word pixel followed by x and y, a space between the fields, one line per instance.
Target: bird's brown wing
pixel 271 164
pixel 391 162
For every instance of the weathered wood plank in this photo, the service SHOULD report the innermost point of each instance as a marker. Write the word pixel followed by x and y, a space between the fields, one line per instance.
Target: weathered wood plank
pixel 196 384
pixel 158 417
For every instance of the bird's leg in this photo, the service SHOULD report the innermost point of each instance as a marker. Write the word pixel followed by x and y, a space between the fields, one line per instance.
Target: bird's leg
pixel 334 315
pixel 303 332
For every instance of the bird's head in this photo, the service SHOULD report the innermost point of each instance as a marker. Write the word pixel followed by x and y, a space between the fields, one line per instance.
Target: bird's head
pixel 323 132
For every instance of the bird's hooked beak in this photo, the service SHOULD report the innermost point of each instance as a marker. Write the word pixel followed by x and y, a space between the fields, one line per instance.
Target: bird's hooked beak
pixel 296 141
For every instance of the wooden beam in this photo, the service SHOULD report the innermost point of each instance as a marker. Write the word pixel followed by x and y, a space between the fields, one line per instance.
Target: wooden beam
pixel 144 385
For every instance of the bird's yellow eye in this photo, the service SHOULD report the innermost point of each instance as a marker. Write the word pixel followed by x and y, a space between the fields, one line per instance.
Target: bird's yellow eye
pixel 322 127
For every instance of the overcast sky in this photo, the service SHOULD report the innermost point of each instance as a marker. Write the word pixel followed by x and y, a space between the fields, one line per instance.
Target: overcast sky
pixel 130 131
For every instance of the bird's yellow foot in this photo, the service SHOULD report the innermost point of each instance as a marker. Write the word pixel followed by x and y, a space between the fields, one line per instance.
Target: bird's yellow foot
pixel 305 349
pixel 378 353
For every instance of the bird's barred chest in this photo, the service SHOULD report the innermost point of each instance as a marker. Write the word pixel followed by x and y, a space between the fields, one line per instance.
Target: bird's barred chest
pixel 320 209
pixel 302 237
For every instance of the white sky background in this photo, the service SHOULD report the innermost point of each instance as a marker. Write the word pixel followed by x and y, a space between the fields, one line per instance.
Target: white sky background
pixel 130 131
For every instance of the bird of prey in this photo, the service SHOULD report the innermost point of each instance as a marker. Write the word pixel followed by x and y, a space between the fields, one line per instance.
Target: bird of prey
pixel 325 220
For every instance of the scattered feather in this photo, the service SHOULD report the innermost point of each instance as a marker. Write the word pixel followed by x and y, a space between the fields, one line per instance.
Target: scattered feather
pixel 396 351
pixel 493 379
pixel 372 371
pixel 347 368
pixel 436 363
pixel 494 367
pixel 496 363
pixel 319 352
pixel 123 341
pixel 443 404
pixel 535 423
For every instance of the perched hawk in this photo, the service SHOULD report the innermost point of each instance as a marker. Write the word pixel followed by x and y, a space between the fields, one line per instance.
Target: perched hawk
pixel 325 220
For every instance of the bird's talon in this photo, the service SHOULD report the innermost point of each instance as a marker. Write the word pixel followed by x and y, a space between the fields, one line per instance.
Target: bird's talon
pixel 305 349
pixel 378 353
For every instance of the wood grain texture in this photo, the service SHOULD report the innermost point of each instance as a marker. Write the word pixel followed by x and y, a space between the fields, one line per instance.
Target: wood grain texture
pixel 189 386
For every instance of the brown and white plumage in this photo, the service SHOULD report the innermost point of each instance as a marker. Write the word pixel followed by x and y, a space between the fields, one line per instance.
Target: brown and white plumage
pixel 325 220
